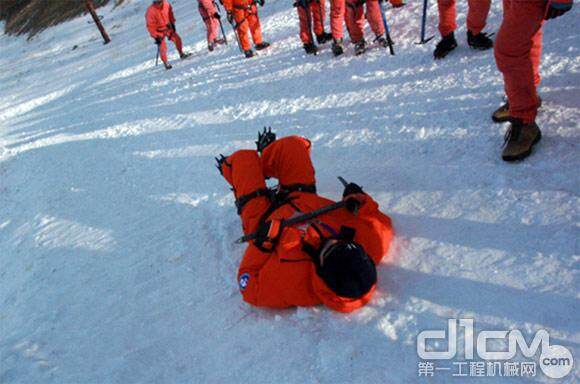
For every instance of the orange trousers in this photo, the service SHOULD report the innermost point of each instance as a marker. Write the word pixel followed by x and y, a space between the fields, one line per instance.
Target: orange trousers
pixel 173 36
pixel 248 20
pixel 518 51
pixel 355 18
pixel 476 16
pixel 315 12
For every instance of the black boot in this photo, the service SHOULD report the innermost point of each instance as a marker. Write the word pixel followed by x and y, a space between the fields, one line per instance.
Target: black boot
pixel 446 45
pixel 382 41
pixel 262 45
pixel 311 49
pixel 360 47
pixel 480 41
pixel 323 38
pixel 249 53
pixel 167 66
pixel 337 48
pixel 184 56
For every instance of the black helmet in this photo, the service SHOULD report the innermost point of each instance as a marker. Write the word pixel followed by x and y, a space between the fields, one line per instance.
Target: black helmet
pixel 346 268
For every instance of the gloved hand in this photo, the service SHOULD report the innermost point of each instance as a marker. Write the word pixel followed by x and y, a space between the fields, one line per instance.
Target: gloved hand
pixel 268 234
pixel 353 196
pixel 158 40
pixel 230 17
pixel 265 138
pixel 557 10
pixel 261 2
pixel 217 16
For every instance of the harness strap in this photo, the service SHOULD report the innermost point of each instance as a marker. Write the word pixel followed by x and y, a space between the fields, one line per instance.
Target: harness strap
pixel 305 188
pixel 245 199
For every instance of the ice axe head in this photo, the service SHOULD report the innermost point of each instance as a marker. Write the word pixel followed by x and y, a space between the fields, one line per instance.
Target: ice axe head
pixel 425 41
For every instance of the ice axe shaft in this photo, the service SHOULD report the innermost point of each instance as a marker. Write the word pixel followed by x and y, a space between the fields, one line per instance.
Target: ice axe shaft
pixel 423 24
pixel 297 219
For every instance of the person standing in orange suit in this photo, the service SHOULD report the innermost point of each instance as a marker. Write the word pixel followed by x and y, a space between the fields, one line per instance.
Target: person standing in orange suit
pixel 518 53
pixel 311 14
pixel 161 24
pixel 355 21
pixel 339 14
pixel 245 15
pixel 476 20
pixel 328 260
pixel 211 18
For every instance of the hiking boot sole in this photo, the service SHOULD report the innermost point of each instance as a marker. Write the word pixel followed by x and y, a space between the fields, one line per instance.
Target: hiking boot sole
pixel 525 154
pixel 501 119
pixel 444 54
pixel 480 48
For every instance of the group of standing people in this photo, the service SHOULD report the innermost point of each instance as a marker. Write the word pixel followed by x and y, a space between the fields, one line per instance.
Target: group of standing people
pixel 517 50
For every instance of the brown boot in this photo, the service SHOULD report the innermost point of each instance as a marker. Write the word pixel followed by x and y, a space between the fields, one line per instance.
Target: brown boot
pixel 502 114
pixel 519 140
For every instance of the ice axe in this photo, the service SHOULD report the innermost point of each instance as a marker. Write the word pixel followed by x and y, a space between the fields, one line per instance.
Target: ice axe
pixel 221 24
pixel 157 57
pixel 386 25
pixel 423 25
pixel 301 218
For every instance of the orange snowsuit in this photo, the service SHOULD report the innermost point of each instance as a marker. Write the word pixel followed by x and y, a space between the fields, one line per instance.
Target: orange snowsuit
pixel 518 51
pixel 338 15
pixel 311 15
pixel 287 276
pixel 476 16
pixel 355 18
pixel 160 23
pixel 246 18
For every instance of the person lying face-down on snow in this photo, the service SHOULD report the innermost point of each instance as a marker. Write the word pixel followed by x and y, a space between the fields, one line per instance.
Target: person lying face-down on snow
pixel 329 259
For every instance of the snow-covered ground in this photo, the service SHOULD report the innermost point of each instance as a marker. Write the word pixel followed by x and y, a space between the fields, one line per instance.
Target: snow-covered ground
pixel 116 255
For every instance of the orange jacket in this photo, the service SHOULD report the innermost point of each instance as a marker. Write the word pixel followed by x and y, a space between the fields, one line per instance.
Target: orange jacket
pixel 231 5
pixel 159 19
pixel 287 276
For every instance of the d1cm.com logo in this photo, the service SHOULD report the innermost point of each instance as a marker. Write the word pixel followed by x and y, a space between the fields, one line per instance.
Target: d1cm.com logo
pixel 555 361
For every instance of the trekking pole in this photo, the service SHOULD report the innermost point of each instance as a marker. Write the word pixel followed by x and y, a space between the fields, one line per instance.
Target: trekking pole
pixel 237 37
pixel 221 24
pixel 423 24
pixel 386 25
pixel 223 32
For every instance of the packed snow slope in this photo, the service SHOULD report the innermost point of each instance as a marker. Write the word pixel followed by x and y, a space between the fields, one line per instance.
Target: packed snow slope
pixel 116 256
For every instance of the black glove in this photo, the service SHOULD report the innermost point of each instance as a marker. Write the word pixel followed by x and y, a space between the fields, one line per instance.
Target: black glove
pixel 352 204
pixel 230 17
pixel 265 138
pixel 261 2
pixel 158 40
pixel 267 235
pixel 351 189
pixel 556 10
pixel 172 27
pixel 217 16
